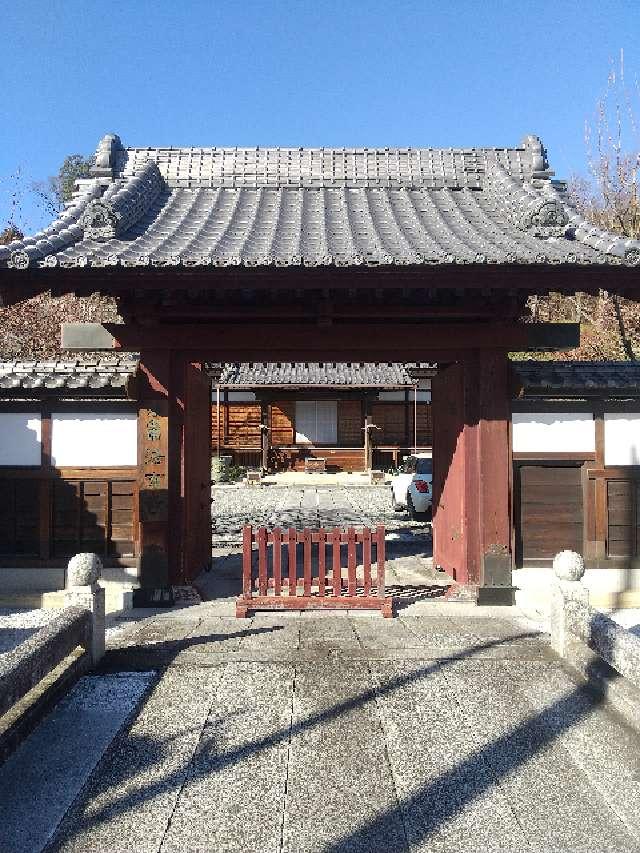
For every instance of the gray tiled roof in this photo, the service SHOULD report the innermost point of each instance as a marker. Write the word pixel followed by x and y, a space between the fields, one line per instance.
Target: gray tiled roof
pixel 579 377
pixel 354 375
pixel 104 374
pixel 318 206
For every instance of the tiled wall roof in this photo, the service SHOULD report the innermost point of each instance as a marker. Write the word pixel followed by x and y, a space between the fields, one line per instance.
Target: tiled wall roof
pixel 351 374
pixel 587 377
pixel 108 374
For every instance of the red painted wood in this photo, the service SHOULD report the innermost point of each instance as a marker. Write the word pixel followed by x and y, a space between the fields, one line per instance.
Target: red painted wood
pixel 261 539
pixel 320 538
pixel 472 464
pixel 292 539
pixel 309 599
pixel 351 561
pixel 247 554
pixel 366 560
pixel 306 539
pixel 196 469
pixel 314 602
pixel 336 570
pixel 449 470
pixel 276 538
pixel 339 342
pixel 380 559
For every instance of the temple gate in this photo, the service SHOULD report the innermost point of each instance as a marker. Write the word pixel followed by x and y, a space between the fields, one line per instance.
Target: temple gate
pixel 403 255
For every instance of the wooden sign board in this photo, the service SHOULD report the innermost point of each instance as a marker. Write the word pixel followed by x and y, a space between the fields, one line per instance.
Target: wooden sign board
pixel 153 462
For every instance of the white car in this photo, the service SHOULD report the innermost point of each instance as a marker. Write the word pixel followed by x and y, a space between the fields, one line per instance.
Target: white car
pixel 412 487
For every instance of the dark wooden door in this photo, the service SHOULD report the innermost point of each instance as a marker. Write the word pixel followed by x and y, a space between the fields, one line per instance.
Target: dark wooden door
pixel 550 515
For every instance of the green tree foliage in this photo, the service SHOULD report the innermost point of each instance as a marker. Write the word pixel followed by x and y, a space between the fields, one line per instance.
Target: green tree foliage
pixel 58 189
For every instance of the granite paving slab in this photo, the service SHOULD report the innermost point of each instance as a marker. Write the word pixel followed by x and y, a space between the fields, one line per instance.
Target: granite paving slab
pixel 42 778
pixel 128 803
pixel 447 795
pixel 331 631
pixel 233 797
pixel 451 728
pixel 615 770
pixel 533 767
pixel 338 774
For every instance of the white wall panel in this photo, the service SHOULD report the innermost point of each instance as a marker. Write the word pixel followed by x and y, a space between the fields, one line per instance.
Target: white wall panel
pixel 621 438
pixel 553 432
pixel 86 439
pixel 20 434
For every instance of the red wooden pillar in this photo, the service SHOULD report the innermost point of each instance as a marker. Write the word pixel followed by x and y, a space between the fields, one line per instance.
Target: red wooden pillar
pixel 174 462
pixel 472 474
pixel 196 471
pixel 160 443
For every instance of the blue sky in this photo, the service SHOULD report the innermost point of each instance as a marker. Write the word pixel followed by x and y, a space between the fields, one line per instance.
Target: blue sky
pixel 455 73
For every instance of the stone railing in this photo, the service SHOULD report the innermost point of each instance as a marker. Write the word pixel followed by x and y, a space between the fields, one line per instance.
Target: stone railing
pixel 603 652
pixel 44 666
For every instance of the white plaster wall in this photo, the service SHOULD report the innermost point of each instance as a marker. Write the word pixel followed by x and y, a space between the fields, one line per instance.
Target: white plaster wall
pixel 621 438
pixel 85 439
pixel 20 438
pixel 553 432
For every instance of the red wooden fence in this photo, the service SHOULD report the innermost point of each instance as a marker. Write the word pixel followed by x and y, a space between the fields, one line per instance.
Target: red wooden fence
pixel 321 582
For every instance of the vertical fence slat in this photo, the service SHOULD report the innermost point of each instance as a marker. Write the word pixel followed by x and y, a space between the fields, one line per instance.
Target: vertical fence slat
pixel 380 557
pixel 247 542
pixel 293 571
pixel 277 561
pixel 335 572
pixel 261 537
pixel 322 570
pixel 271 577
pixel 351 559
pixel 306 538
pixel 366 559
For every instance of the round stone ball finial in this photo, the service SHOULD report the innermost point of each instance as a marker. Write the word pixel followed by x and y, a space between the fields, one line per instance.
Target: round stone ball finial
pixel 568 566
pixel 83 570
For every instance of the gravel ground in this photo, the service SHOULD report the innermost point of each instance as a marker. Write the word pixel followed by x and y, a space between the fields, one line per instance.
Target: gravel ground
pixel 18 624
pixel 303 506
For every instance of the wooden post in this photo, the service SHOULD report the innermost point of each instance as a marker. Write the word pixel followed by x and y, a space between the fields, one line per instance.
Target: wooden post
pixel 472 499
pixel 196 470
pixel 366 443
pixel 156 475
pixel 415 418
pixel 264 436
pixel 218 421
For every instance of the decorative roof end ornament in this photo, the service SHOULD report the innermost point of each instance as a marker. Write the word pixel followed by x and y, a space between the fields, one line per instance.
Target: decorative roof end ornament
pixel 19 260
pixel 547 219
pixel 534 147
pixel 632 257
pixel 99 221
pixel 105 157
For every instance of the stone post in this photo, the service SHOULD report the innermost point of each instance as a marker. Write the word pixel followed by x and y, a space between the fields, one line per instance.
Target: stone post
pixel 568 587
pixel 82 590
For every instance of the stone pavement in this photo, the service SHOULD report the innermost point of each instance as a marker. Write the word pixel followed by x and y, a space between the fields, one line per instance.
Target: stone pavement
pixel 448 728
pixel 302 506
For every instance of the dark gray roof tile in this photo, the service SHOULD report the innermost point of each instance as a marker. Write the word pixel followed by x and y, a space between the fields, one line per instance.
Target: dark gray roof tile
pixel 315 206
pixel 352 375
pixel 575 377
pixel 103 374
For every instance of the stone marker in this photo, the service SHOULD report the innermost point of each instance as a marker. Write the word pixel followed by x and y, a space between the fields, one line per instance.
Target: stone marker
pixel 82 590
